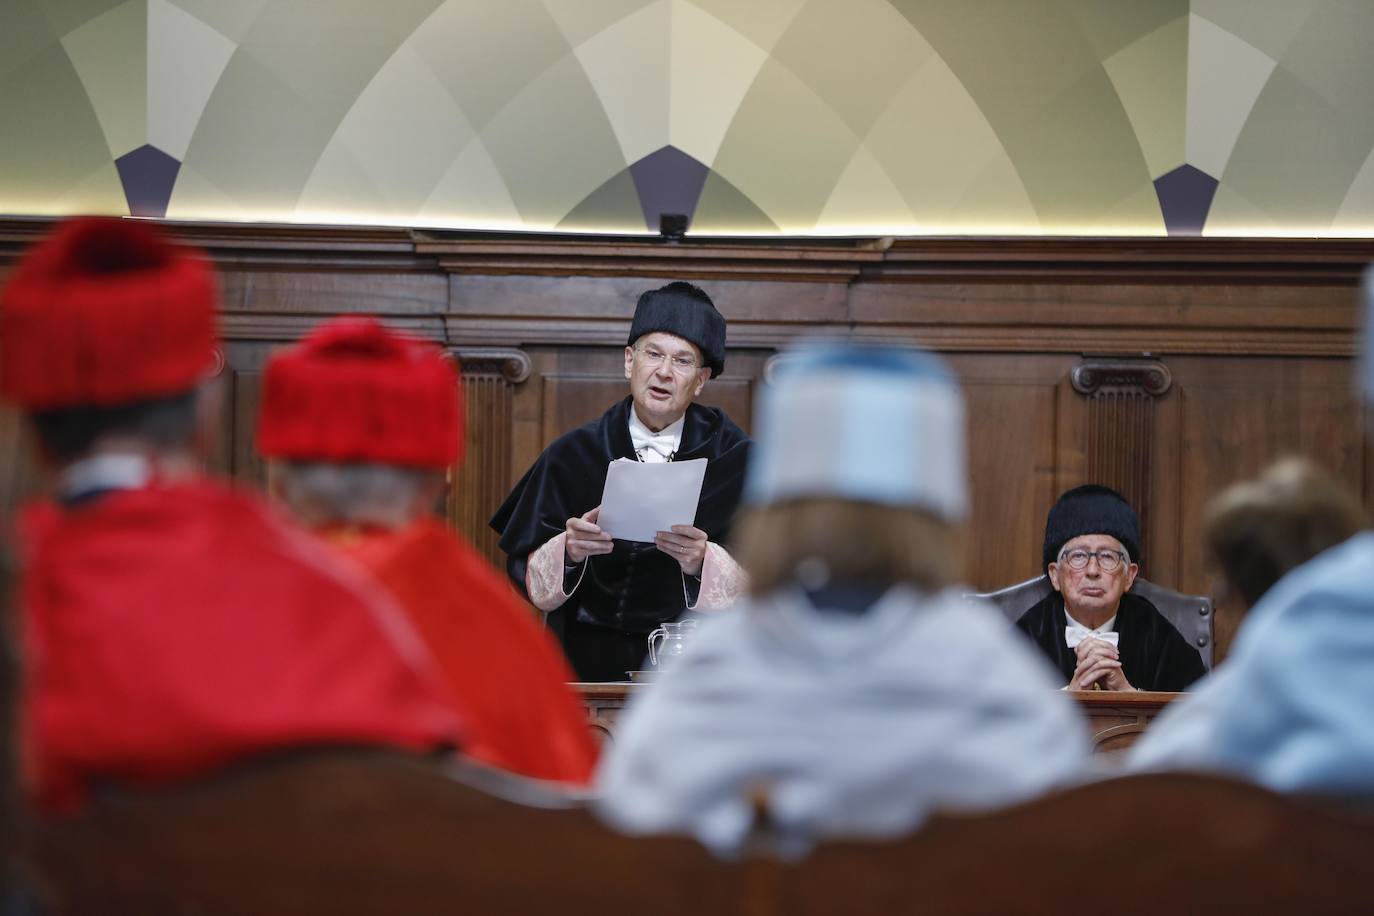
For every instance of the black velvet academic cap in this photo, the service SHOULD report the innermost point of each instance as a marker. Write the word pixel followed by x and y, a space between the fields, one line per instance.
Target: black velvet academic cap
pixel 685 311
pixel 1091 509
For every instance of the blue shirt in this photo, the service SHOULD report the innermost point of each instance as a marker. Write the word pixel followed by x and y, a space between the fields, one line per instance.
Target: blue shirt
pixel 1292 707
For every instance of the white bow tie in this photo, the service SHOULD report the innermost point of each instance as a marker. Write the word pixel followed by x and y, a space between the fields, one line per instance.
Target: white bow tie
pixel 1074 635
pixel 664 444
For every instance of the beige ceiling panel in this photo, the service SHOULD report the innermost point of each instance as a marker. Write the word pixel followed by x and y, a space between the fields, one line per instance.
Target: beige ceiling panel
pixel 1356 215
pixel 995 203
pixel 53 141
pixel 855 55
pixel 488 53
pixel 196 197
pixel 1151 79
pixel 342 190
pixel 1137 213
pixel 100 192
pixel 628 65
pixel 404 131
pixel 1233 214
pixel 472 194
pixel 1225 77
pixel 231 18
pixel 1269 25
pixel 760 21
pixel 786 149
pixel 67 15
pixel 866 202
pixel 185 60
pixel 109 53
pixel 553 144
pixel 934 141
pixel 705 100
pixel 579 20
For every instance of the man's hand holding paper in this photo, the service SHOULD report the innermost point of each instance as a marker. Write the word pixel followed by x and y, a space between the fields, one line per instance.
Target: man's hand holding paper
pixel 641 501
pixel 687 545
pixel 585 538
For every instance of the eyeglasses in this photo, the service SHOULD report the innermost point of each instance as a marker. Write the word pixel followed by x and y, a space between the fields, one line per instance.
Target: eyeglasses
pixel 654 357
pixel 1107 560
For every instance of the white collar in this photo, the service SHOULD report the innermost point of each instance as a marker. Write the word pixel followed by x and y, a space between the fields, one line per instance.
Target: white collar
pixel 670 437
pixel 1108 627
pixel 104 472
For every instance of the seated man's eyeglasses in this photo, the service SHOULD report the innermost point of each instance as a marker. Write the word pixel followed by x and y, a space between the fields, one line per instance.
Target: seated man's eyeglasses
pixel 1107 560
pixel 654 357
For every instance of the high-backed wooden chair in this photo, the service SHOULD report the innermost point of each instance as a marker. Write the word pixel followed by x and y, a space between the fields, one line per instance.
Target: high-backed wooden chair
pixel 1191 615
pixel 344 832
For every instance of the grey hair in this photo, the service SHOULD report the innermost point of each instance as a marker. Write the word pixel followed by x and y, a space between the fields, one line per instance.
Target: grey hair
pixel 320 493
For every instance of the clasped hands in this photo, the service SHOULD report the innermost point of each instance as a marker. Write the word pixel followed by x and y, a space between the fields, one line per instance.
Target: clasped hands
pixel 683 543
pixel 1099 664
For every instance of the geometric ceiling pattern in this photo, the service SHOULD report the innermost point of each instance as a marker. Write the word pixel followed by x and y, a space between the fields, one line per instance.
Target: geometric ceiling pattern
pixel 862 117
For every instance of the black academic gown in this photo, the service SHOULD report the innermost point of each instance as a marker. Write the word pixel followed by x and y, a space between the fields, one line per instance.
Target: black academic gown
pixel 1154 656
pixel 636 587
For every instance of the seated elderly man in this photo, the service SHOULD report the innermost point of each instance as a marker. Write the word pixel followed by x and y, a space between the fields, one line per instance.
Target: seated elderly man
pixel 839 688
pixel 1097 634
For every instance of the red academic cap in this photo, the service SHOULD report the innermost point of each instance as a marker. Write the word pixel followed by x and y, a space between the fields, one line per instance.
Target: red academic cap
pixel 105 312
pixel 354 391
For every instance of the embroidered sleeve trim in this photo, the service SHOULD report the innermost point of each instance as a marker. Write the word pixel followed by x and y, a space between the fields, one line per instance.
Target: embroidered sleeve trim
pixel 544 575
pixel 722 580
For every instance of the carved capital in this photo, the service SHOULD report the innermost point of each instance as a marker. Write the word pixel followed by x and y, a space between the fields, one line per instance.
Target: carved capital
pixel 220 363
pixel 1121 376
pixel 511 364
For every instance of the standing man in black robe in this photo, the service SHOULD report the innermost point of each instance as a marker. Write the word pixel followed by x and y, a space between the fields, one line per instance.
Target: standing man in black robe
pixel 602 596
pixel 1095 633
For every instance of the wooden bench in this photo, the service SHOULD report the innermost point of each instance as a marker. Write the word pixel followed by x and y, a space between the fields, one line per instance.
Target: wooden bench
pixel 361 833
pixel 1131 846
pixel 344 834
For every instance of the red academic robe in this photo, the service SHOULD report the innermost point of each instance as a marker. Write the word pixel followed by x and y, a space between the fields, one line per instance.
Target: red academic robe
pixel 507 675
pixel 172 629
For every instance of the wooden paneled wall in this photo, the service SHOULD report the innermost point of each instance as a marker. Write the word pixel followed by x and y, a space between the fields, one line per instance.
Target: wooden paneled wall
pixel 1165 367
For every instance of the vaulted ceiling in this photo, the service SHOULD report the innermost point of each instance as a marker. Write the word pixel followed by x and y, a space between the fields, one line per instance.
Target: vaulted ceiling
pixel 1225 117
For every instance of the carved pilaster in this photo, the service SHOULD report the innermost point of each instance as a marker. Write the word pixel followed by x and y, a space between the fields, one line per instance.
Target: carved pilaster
pixel 1121 396
pixel 489 376
pixel 1121 377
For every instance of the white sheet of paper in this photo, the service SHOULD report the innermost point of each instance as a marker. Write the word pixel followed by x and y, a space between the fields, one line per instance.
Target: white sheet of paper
pixel 641 499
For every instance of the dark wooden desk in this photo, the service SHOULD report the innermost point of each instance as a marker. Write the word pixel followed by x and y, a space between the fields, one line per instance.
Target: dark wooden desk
pixel 1116 718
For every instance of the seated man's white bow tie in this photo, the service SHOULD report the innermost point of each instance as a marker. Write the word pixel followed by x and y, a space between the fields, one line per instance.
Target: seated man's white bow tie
pixel 663 444
pixel 1074 635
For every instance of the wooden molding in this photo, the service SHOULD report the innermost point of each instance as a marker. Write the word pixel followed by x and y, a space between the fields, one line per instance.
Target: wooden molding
pixel 263 245
pixel 1260 297
pixel 691 259
pixel 1247 261
pixel 1128 259
pixel 279 327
